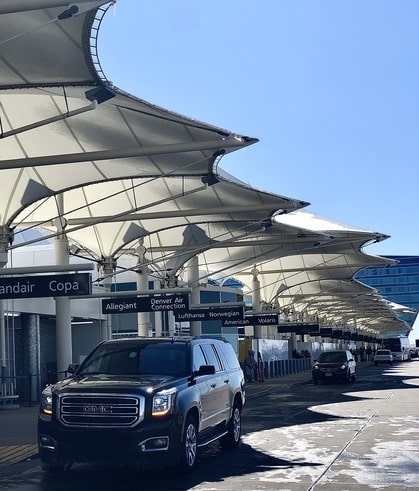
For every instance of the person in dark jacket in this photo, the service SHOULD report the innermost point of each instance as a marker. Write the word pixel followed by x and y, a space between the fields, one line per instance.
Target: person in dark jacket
pixel 250 366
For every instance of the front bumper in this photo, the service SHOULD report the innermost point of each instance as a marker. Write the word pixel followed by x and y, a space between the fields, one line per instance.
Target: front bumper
pixel 148 441
pixel 338 375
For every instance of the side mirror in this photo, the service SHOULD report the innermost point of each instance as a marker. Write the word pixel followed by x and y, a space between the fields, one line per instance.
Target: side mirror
pixel 72 368
pixel 205 370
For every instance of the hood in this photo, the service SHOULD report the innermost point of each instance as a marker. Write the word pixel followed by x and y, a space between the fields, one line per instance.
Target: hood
pixel 87 383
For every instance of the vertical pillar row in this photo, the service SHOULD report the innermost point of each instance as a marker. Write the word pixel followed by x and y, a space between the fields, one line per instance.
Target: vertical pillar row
pixel 108 267
pixel 6 238
pixel 32 351
pixel 64 346
pixel 193 281
pixel 256 300
pixel 142 284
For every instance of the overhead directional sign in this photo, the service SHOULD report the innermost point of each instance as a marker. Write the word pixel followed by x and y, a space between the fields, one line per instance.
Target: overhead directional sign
pixel 151 303
pixel 210 314
pixel 56 285
pixel 253 320
pixel 299 328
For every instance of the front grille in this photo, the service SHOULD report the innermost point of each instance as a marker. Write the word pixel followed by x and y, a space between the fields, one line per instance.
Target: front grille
pixel 101 410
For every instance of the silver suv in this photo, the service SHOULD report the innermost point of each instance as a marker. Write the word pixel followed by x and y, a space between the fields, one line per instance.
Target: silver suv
pixel 383 356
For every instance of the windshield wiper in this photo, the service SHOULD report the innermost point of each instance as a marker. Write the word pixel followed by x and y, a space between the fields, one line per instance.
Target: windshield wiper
pixel 84 374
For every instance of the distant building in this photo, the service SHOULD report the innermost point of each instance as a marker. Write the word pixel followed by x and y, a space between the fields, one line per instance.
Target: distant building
pixel 398 283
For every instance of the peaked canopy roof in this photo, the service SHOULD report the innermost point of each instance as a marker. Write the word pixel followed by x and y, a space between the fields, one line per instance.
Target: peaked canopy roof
pixel 307 272
pixel 116 172
pixel 64 126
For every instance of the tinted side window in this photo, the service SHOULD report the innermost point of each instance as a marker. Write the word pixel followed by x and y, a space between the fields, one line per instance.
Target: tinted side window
pixel 211 357
pixel 228 354
pixel 198 358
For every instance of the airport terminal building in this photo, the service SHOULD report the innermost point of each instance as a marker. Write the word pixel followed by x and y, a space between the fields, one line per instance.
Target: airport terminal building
pixel 398 283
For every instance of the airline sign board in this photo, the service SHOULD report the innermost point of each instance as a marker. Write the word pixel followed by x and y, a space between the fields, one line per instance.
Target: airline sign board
pixel 57 285
pixel 253 320
pixel 299 328
pixel 151 303
pixel 210 314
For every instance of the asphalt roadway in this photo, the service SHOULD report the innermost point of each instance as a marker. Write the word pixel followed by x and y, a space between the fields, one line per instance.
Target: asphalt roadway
pixel 365 437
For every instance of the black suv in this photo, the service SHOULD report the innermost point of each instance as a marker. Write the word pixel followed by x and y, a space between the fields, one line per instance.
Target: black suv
pixel 338 365
pixel 143 400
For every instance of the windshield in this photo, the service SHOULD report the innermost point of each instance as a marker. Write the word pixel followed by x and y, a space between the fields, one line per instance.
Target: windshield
pixel 333 357
pixel 159 359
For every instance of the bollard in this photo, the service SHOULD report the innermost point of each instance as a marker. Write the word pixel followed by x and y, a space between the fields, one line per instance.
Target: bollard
pixel 261 372
pixel 282 367
pixel 266 370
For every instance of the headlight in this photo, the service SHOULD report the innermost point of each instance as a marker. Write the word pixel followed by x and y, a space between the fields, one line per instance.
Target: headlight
pixel 315 367
pixel 343 367
pixel 46 401
pixel 163 402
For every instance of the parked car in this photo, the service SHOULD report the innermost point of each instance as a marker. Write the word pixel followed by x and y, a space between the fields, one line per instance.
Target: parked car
pixel 383 356
pixel 337 365
pixel 413 353
pixel 138 401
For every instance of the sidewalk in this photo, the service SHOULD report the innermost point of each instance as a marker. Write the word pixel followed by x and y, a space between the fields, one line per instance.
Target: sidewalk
pixel 18 434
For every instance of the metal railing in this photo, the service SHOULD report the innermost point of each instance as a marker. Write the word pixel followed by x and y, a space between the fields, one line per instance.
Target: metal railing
pixel 279 368
pixel 27 387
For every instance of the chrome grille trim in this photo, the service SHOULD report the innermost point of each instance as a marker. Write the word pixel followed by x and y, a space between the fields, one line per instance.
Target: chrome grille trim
pixel 93 410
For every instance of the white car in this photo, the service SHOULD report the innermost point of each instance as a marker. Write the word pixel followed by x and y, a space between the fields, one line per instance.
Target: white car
pixel 383 356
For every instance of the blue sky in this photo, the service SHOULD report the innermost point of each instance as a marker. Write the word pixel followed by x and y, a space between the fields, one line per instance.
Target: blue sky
pixel 330 88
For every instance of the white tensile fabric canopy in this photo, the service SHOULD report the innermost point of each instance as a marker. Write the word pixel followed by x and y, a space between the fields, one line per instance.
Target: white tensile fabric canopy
pixel 114 173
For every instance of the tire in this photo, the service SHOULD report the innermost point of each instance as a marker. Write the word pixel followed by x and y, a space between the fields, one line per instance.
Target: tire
pixel 315 381
pixel 348 378
pixel 189 445
pixel 232 439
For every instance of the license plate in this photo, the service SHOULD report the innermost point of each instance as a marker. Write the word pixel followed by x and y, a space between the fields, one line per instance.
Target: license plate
pixel 328 374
